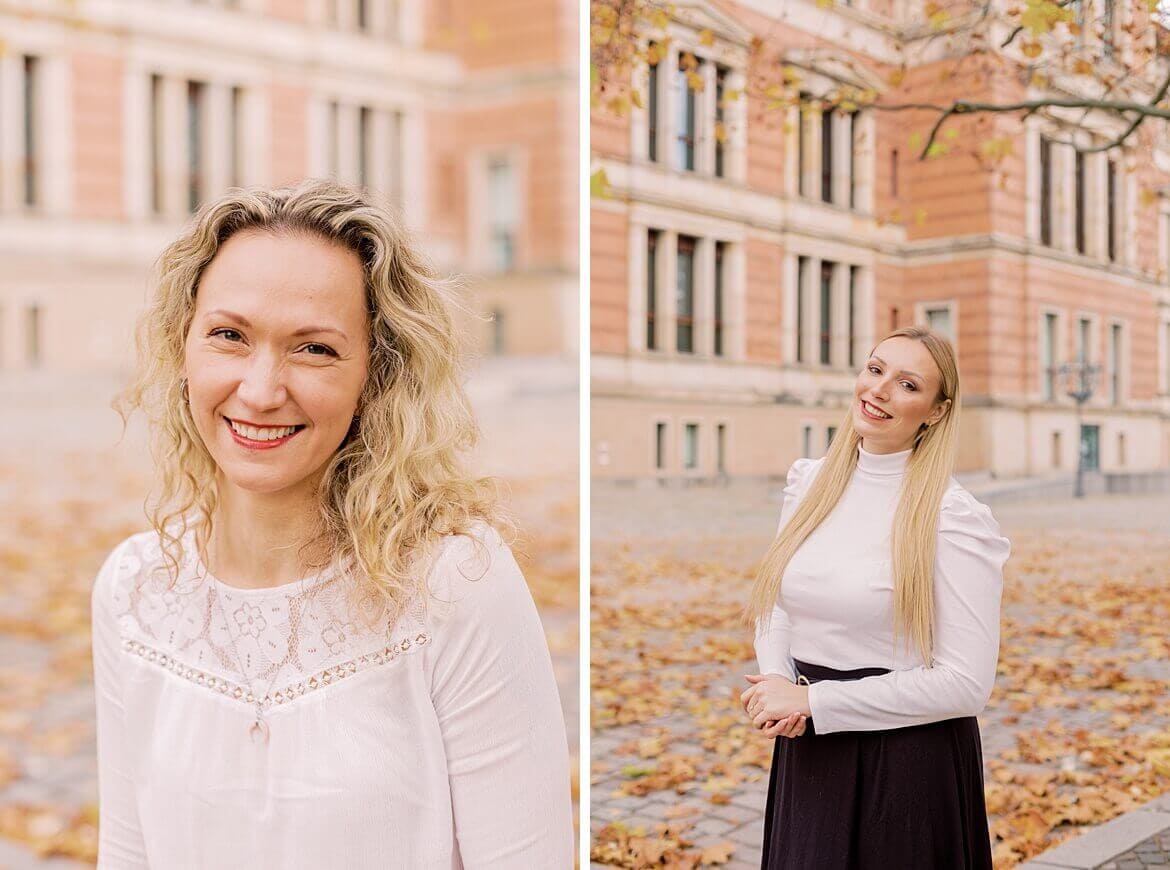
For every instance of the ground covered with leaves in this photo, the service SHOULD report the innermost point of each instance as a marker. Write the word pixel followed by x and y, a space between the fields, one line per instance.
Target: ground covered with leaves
pixel 64 507
pixel 1075 734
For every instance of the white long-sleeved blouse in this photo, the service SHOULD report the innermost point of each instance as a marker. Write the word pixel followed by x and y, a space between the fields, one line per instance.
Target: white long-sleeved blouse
pixel 437 742
pixel 836 605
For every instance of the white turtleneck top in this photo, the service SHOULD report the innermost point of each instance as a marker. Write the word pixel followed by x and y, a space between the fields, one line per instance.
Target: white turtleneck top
pixel 432 742
pixel 836 605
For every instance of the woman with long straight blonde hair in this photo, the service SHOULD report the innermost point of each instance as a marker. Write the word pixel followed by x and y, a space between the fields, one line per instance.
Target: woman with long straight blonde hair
pixel 877 633
pixel 321 654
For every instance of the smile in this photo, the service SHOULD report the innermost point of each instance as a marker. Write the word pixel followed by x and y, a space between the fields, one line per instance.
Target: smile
pixel 873 413
pixel 261 437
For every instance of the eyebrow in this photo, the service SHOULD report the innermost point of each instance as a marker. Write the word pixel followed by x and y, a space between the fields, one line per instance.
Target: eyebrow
pixel 243 321
pixel 903 372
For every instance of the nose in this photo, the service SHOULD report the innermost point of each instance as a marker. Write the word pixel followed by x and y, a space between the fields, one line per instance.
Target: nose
pixel 881 387
pixel 262 386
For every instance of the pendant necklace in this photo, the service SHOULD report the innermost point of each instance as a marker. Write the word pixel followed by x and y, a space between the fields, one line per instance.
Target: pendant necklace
pixel 258 729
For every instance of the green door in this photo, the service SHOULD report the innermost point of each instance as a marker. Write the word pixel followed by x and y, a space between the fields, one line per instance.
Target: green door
pixel 1090 447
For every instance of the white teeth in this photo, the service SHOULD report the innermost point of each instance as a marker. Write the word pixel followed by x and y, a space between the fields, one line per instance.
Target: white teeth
pixel 875 411
pixel 266 433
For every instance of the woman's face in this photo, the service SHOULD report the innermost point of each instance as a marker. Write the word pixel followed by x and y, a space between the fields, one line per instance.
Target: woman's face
pixel 276 357
pixel 900 379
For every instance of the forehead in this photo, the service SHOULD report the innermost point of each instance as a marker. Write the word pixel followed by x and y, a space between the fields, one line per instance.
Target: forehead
pixel 906 354
pixel 282 278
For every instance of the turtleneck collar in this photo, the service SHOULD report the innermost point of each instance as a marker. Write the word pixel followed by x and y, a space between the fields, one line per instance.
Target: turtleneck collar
pixel 886 464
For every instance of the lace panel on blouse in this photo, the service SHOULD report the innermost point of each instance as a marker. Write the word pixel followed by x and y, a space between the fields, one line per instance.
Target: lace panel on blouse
pixel 291 641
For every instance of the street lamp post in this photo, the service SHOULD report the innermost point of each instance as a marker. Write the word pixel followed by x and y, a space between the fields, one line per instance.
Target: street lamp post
pixel 1079 378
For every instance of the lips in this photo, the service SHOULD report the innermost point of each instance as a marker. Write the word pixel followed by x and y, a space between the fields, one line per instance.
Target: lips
pixel 267 443
pixel 872 412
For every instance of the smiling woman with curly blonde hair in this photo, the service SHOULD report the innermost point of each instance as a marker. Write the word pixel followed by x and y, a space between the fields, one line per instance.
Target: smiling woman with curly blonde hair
pixel 322 654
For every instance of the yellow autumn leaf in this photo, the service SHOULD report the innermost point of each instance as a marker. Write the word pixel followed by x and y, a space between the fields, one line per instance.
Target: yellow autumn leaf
pixel 720 853
pixel 695 81
pixel 636 98
pixel 896 78
pixel 599 185
pixel 604 16
pixel 706 37
pixel 1159 759
pixel 1032 49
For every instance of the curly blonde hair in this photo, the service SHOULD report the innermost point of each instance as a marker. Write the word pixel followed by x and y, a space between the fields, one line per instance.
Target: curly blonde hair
pixel 397 483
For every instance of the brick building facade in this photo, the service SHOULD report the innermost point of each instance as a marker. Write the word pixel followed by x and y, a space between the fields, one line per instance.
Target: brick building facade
pixel 116 119
pixel 739 278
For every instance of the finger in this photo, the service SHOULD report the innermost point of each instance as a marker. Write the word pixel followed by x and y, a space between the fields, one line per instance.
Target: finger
pixel 747 695
pixel 755 678
pixel 774 728
pixel 762 717
pixel 780 729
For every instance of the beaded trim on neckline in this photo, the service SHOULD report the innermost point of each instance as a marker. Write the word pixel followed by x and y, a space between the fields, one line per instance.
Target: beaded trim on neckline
pixel 294 689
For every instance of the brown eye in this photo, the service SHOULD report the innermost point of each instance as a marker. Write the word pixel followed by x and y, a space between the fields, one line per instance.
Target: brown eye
pixel 320 350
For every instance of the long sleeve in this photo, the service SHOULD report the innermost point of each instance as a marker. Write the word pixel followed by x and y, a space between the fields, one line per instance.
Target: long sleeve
pixel 493 689
pixel 968 583
pixel 773 635
pixel 120 843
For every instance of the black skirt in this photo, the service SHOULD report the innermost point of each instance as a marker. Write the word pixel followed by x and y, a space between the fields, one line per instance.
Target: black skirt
pixel 904 798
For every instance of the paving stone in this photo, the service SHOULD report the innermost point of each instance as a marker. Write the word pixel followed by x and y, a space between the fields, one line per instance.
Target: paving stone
pixel 728 523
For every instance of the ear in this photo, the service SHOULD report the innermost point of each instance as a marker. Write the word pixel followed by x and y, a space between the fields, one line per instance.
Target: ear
pixel 939 412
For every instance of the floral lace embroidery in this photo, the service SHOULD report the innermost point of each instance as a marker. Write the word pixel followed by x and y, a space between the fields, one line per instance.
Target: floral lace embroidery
pixel 291 640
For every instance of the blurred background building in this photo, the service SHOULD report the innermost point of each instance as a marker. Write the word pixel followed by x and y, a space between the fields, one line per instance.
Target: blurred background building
pixel 117 119
pixel 748 255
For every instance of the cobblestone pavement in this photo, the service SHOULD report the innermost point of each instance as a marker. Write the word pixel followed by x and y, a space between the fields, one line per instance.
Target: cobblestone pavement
pixel 653 552
pixel 61 479
pixel 1151 853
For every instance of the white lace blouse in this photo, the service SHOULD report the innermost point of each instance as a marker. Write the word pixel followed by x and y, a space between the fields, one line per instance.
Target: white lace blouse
pixel 836 605
pixel 438 742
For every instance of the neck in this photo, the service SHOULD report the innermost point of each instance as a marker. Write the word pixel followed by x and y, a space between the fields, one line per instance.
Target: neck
pixel 869 445
pixel 258 539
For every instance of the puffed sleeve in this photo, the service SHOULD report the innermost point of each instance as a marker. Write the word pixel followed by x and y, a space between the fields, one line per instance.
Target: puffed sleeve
pixel 492 685
pixel 968 583
pixel 120 843
pixel 773 634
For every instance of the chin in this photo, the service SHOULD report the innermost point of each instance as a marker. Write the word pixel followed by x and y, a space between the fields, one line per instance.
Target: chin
pixel 258 485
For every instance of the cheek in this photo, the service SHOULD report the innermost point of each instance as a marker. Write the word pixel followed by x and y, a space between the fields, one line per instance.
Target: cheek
pixel 210 379
pixel 915 407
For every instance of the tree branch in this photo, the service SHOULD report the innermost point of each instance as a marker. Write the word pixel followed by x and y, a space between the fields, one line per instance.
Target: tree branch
pixel 1137 122
pixel 965 107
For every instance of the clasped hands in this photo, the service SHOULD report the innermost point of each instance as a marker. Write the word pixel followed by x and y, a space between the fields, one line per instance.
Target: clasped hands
pixel 776 705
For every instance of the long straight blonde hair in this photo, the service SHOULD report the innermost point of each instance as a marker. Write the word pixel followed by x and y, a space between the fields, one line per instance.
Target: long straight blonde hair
pixel 914 533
